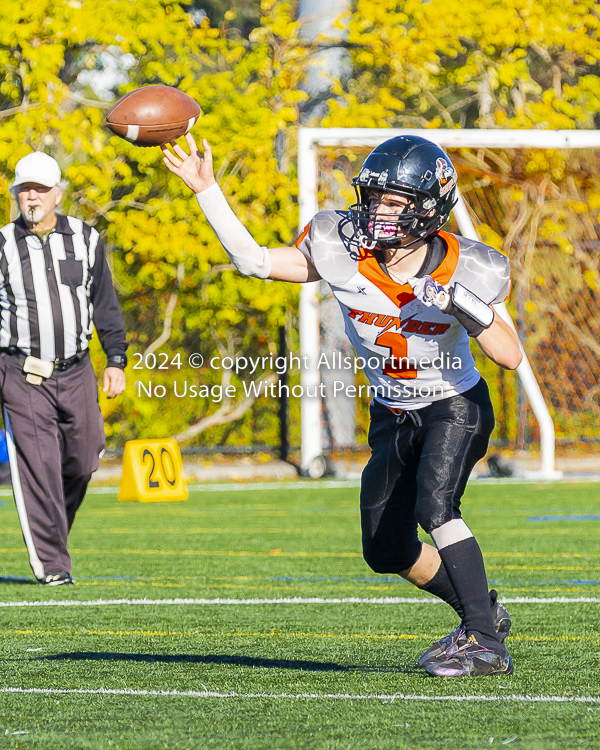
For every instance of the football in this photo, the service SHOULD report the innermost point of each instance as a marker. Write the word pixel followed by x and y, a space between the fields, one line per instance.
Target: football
pixel 153 115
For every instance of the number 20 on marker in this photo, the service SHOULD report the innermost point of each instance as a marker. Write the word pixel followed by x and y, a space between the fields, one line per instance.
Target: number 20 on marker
pixel 152 472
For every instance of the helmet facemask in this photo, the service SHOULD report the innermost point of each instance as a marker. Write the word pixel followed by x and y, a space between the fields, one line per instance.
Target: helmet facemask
pixel 376 229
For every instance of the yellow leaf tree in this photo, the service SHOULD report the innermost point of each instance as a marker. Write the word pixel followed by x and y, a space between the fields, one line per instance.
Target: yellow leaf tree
pixel 178 291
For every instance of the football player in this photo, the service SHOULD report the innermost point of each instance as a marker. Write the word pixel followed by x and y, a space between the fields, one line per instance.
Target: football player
pixel 411 295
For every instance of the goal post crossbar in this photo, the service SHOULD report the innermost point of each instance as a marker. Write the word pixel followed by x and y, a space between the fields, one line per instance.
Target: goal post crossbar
pixel 309 140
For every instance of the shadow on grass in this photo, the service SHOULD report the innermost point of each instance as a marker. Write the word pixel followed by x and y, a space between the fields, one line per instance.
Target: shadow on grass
pixel 239 661
pixel 22 580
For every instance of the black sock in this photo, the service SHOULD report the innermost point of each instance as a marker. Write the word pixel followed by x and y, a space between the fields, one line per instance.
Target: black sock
pixel 441 586
pixel 464 564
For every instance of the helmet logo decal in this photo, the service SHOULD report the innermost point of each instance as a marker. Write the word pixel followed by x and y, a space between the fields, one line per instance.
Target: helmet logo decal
pixel 446 176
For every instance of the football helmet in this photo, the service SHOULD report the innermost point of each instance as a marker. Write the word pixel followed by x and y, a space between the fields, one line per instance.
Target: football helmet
pixel 414 168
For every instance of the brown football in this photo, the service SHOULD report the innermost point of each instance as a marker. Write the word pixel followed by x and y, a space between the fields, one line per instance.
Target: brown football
pixel 153 115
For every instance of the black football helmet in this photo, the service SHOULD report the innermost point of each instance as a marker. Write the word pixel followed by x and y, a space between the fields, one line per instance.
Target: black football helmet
pixel 411 167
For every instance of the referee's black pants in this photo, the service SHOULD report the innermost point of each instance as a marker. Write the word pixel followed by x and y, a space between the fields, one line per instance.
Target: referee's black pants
pixel 419 467
pixel 55 435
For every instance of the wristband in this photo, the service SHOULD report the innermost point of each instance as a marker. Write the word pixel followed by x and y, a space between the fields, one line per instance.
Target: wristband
pixel 245 253
pixel 117 360
pixel 470 311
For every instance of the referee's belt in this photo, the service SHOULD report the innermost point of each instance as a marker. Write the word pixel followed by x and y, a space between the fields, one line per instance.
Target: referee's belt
pixel 64 364
pixel 59 364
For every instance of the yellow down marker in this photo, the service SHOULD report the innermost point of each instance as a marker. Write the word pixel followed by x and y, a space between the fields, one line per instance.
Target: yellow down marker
pixel 152 472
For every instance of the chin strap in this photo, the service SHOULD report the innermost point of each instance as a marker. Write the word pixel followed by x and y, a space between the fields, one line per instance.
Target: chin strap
pixel 365 242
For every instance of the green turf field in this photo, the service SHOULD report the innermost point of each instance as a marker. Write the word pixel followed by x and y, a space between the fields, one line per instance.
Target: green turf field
pixel 288 673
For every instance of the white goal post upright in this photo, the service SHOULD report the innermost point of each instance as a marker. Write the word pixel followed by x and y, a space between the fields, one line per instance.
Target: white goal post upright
pixel 309 140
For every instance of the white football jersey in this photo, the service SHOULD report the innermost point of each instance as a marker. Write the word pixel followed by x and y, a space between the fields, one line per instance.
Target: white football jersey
pixel 413 355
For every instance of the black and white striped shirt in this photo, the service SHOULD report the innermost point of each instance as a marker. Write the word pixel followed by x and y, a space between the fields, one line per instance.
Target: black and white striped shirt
pixel 53 291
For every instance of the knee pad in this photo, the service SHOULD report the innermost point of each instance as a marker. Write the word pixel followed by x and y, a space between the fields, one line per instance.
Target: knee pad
pixel 391 562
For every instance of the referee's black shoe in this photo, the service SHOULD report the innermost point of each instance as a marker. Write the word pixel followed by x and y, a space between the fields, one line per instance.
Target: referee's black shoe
pixel 56 579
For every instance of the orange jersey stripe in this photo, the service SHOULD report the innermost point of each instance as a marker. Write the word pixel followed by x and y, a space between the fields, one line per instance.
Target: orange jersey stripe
pixel 303 235
pixel 402 294
pixel 444 272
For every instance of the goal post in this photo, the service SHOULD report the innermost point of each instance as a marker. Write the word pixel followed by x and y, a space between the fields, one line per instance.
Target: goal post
pixel 309 141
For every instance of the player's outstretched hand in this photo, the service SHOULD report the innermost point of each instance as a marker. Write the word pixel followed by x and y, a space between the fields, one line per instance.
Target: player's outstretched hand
pixel 195 170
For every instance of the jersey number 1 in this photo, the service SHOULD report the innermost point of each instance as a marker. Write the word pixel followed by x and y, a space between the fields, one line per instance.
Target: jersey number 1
pixel 398 346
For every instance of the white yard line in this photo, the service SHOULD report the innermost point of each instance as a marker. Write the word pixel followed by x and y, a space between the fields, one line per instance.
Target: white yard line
pixel 310 696
pixel 327 484
pixel 291 600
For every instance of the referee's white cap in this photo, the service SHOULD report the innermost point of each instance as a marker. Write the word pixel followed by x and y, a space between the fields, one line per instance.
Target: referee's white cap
pixel 37 167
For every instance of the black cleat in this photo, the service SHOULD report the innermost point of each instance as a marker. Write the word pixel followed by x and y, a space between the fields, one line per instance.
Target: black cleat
pixel 455 640
pixel 501 617
pixel 472 660
pixel 56 579
pixel 444 647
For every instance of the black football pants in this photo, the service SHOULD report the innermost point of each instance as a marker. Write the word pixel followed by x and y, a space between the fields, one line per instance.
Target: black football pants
pixel 419 466
pixel 55 434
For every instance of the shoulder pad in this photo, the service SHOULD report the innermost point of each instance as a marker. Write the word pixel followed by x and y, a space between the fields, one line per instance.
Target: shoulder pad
pixel 482 270
pixel 333 250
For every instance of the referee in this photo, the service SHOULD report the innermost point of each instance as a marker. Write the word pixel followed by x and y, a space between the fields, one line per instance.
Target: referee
pixel 55 285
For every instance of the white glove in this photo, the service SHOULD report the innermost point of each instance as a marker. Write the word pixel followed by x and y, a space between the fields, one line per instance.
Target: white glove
pixel 429 292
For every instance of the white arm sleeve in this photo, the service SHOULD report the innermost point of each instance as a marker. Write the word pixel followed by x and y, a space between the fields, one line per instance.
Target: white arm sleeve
pixel 246 254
